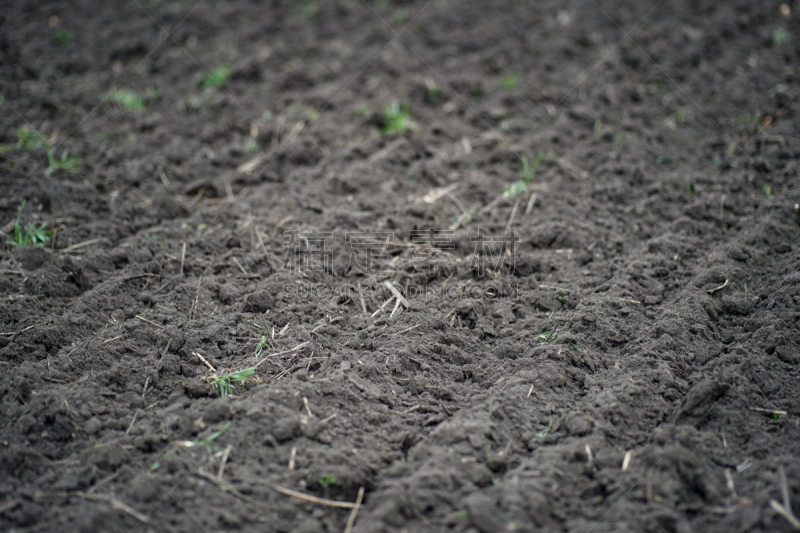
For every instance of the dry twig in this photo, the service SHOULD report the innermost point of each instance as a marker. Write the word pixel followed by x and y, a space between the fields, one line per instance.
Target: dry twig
pixel 352 518
pixel 313 499
pixel 292 350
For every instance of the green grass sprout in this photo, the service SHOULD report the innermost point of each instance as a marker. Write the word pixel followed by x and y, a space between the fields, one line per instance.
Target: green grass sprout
pixel 722 163
pixel 744 119
pixel 30 236
pixel 127 99
pixel 511 81
pixel 546 431
pixel 768 190
pixel 68 163
pixel 547 336
pixel 399 15
pixel 327 480
pixel 309 10
pixel 688 185
pixel 217 77
pixel 196 102
pixel 261 345
pixel 653 88
pixel 780 36
pixel 63 36
pixel 395 118
pixel 224 382
pixel 206 442
pixel 32 139
pixel 562 297
pixel 526 176
pixel 27 139
pixel 466 216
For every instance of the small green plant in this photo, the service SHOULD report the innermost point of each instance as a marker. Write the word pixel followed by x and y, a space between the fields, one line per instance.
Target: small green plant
pixel 261 345
pixel 688 186
pixel 768 190
pixel 224 382
pixel 561 297
pixel 32 139
pixel 127 99
pixel 395 118
pixel 216 78
pixel 27 139
pixel 576 347
pixel 466 216
pixel 780 35
pixel 362 110
pixel 309 10
pixel 30 236
pixel 653 88
pixel 63 36
pixel 178 6
pixel 598 126
pixel 547 336
pixel 526 176
pixel 743 120
pixel 327 480
pixel 399 15
pixel 546 431
pixel 722 164
pixel 663 160
pixel 68 162
pixel 433 90
pixel 206 443
pixel 196 102
pixel 511 81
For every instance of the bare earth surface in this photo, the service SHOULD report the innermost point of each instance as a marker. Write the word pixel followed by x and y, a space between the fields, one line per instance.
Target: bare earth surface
pixel 632 364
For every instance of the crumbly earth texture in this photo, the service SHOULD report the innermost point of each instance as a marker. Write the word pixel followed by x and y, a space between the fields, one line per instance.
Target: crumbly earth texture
pixel 632 364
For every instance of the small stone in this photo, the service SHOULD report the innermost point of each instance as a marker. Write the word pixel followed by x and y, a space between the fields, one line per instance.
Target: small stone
pixel 144 488
pixel 93 425
pixel 485 514
pixel 218 411
pixel 286 429
pixel 578 424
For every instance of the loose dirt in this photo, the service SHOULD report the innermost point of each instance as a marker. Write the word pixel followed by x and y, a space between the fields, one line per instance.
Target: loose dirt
pixel 616 348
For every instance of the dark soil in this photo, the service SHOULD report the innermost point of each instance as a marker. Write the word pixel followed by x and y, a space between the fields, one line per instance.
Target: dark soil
pixel 632 365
